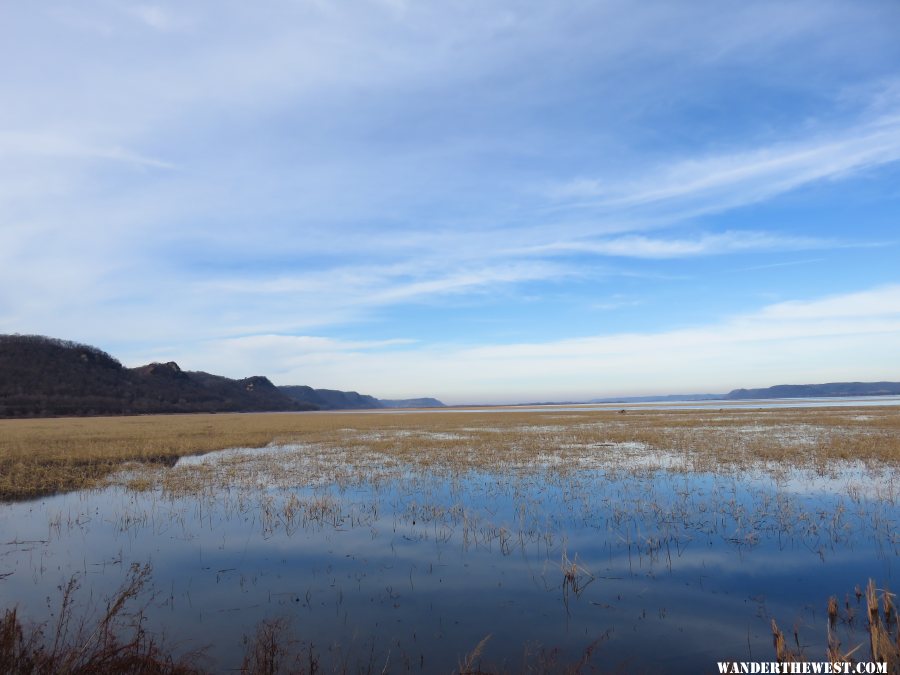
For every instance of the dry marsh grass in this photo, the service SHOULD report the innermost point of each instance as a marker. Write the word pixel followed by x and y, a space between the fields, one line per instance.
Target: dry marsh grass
pixel 73 645
pixel 53 455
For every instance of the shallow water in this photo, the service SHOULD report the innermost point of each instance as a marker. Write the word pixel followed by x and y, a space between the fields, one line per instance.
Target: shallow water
pixel 715 404
pixel 711 404
pixel 673 571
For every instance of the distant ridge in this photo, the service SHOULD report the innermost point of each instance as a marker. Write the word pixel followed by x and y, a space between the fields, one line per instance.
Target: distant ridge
pixel 47 377
pixel 412 403
pixel 818 390
pixel 332 399
pixel 44 377
pixel 829 389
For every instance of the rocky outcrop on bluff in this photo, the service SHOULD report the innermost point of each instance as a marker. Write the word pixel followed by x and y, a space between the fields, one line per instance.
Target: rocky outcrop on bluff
pixel 42 377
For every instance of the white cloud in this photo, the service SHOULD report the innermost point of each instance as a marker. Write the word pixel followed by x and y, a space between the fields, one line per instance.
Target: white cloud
pixel 155 16
pixel 54 146
pixel 847 336
pixel 786 263
pixel 368 286
pixel 719 182
pixel 275 356
pixel 880 302
pixel 864 313
pixel 641 246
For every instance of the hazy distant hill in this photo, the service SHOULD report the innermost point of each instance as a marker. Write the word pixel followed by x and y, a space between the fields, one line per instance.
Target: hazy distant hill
pixel 818 390
pixel 412 403
pixel 332 399
pixel 830 389
pixel 41 376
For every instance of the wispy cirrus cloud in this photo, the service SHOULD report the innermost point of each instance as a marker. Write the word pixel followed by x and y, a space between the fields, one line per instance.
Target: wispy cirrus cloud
pixel 351 290
pixel 54 146
pixel 786 263
pixel 712 183
pixel 643 246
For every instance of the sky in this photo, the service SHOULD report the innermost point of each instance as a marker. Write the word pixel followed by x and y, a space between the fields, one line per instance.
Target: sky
pixel 485 202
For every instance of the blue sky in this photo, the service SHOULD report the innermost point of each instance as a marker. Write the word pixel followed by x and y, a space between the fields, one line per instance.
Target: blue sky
pixel 483 202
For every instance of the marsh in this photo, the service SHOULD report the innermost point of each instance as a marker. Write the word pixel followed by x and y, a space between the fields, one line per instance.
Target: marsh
pixel 404 541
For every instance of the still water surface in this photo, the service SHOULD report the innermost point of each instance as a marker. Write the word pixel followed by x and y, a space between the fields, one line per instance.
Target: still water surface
pixel 672 570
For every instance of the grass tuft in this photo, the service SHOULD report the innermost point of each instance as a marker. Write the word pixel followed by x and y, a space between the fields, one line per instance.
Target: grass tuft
pixel 73 647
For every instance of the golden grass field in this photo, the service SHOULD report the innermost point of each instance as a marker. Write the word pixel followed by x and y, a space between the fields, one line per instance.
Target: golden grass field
pixel 44 456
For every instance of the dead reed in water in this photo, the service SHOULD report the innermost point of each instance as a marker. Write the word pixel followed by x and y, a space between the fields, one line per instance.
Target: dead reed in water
pixel 882 627
pixel 884 632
